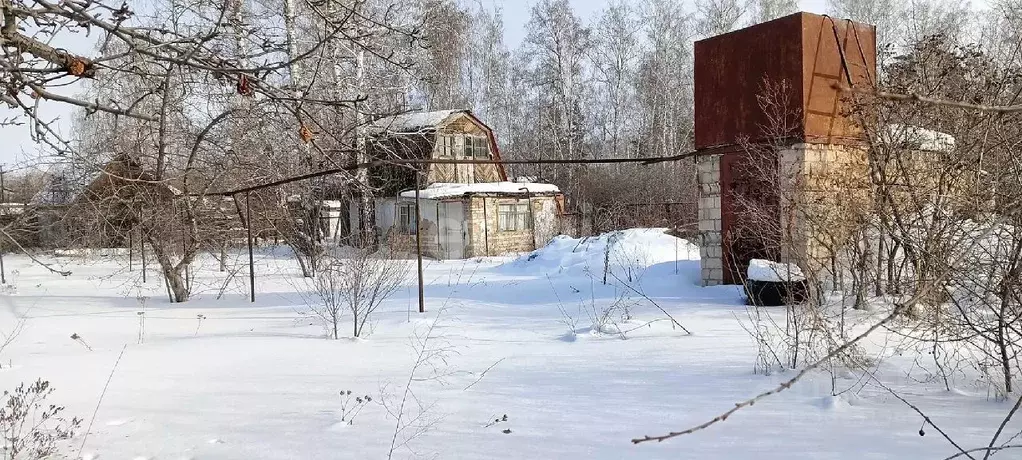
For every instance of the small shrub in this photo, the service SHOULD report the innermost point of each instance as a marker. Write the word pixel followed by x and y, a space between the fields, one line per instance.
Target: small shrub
pixel 357 284
pixel 30 429
pixel 351 405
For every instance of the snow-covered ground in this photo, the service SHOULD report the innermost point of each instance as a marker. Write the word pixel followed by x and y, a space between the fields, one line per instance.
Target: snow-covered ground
pixel 258 380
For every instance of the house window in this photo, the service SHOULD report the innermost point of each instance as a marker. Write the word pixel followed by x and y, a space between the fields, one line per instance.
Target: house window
pixel 513 217
pixel 445 145
pixel 477 147
pixel 406 218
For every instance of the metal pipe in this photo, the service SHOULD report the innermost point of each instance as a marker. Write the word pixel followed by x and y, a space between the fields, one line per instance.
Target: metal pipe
pixel 486 229
pixel 418 245
pixel 141 242
pixel 251 258
pixel 415 161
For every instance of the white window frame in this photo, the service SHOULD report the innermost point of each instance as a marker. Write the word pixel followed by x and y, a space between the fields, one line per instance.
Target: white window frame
pixel 405 218
pixel 480 147
pixel 445 145
pixel 514 216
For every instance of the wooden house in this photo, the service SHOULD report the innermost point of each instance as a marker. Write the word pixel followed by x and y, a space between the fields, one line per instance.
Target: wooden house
pixel 466 210
pixel 99 205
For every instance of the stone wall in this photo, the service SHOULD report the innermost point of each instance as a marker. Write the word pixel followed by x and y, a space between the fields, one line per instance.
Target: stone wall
pixel 825 193
pixel 404 243
pixel 484 238
pixel 822 193
pixel 710 252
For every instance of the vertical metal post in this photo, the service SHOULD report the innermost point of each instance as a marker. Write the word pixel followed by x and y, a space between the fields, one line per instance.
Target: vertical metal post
pixel 131 248
pixel 418 243
pixel 251 258
pixel 486 229
pixel 3 202
pixel 141 243
pixel 439 239
pixel 676 254
pixel 532 217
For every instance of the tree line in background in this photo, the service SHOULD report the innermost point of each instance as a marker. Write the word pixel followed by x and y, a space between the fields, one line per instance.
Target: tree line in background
pixel 618 84
pixel 190 98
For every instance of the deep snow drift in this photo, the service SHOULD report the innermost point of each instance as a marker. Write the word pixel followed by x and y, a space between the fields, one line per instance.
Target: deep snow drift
pixel 223 378
pixel 634 249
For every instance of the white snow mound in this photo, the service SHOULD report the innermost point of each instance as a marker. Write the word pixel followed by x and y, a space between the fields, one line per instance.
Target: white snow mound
pixel 765 270
pixel 630 250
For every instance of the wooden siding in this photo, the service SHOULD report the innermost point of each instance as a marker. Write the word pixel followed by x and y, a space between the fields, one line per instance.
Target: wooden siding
pixel 460 126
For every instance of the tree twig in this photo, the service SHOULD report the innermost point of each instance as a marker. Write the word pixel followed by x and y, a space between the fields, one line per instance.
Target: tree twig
pixel 783 386
pixel 483 373
pixel 914 97
pixel 664 311
pixel 99 403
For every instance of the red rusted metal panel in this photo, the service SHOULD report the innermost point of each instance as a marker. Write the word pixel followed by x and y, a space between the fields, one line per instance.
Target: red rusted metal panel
pixel 801 53
pixel 730 70
pixel 808 56
pixel 836 52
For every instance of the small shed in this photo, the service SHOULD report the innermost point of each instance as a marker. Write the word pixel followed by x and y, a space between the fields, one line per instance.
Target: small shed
pixel 462 220
pixel 468 206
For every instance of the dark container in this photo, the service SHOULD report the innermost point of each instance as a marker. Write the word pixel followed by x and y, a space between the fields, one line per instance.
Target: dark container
pixel 776 293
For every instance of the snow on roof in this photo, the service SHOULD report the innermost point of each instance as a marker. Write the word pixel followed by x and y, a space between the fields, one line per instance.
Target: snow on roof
pixel 448 190
pixel 921 138
pixel 12 208
pixel 413 121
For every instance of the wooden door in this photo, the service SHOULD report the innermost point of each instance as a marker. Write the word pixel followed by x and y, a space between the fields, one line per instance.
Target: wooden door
pixel 452 229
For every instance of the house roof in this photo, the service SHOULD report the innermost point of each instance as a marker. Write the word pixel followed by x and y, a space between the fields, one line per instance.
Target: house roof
pixel 414 122
pixel 67 182
pixel 448 190
pixel 422 125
